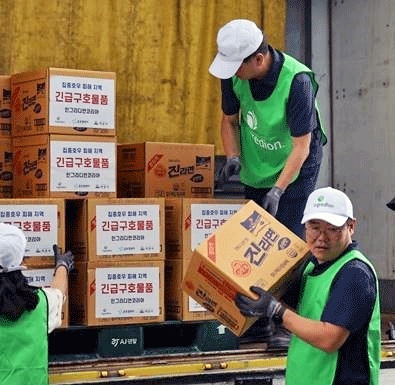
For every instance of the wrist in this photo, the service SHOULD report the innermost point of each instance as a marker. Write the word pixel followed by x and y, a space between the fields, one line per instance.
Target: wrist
pixel 278 190
pixel 278 316
pixel 234 156
pixel 61 264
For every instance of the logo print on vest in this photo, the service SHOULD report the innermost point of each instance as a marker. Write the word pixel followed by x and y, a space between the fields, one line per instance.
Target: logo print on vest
pixel 252 120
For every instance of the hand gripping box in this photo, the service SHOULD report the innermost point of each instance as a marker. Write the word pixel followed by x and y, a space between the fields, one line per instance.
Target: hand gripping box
pixel 168 170
pixel 251 248
pixel 63 101
pixel 116 293
pixel 189 221
pixel 42 277
pixel 43 223
pixel 117 229
pixel 64 166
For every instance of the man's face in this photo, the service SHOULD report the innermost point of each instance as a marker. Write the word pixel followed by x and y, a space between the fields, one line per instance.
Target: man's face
pixel 247 70
pixel 326 241
pixel 255 67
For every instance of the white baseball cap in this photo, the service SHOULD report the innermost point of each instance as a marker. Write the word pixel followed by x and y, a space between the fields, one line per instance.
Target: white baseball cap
pixel 330 205
pixel 236 40
pixel 12 248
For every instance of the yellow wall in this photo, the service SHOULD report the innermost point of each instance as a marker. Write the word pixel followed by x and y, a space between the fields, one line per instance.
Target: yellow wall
pixel 160 50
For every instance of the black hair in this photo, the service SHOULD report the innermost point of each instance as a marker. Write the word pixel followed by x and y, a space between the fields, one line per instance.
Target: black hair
pixel 263 48
pixel 16 295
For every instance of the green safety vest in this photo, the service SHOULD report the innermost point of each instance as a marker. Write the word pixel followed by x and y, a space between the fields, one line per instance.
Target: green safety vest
pixel 265 137
pixel 24 347
pixel 307 364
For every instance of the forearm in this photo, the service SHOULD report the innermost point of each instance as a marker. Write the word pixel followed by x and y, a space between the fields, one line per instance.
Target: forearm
pixel 230 134
pixel 60 279
pixel 322 335
pixel 298 155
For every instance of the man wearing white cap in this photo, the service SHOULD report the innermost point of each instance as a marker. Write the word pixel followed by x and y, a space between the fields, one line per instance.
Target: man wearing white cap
pixel 336 328
pixel 271 131
pixel 27 313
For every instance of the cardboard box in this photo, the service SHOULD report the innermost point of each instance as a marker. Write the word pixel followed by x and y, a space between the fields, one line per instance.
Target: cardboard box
pixel 178 304
pixel 251 248
pixel 5 106
pixel 64 166
pixel 189 221
pixel 43 223
pixel 63 101
pixel 116 229
pixel 167 170
pixel 43 278
pixel 6 168
pixel 115 293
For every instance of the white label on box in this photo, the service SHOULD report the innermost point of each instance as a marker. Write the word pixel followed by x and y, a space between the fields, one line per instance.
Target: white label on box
pixel 38 222
pixel 39 277
pixel 82 102
pixel 127 292
pixel 83 167
pixel 206 218
pixel 195 306
pixel 127 229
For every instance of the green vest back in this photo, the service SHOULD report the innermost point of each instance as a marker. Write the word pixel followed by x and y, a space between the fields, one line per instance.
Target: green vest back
pixel 24 347
pixel 265 137
pixel 309 365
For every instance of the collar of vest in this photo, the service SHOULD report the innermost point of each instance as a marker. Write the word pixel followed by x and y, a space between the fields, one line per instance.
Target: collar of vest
pixel 321 267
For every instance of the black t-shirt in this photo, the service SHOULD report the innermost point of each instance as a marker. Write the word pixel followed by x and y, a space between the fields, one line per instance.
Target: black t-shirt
pixel 350 304
pixel 301 114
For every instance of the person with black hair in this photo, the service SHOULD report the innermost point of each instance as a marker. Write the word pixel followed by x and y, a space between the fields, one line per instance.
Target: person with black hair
pixel 27 314
pixel 271 131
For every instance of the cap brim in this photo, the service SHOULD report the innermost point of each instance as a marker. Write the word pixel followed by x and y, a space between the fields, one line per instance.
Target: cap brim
pixel 333 219
pixel 224 69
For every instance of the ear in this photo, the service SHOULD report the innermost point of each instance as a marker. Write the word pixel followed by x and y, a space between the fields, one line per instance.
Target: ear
pixel 259 58
pixel 352 226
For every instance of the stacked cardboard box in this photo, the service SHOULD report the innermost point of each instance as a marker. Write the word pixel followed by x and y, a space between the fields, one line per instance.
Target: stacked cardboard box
pixel 166 170
pixel 64 166
pixel 189 221
pixel 119 249
pixel 175 171
pixel 5 106
pixel 42 222
pixel 6 165
pixel 64 145
pixel 64 135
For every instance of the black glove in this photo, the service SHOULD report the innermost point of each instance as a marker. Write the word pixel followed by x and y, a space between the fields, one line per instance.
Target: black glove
pixel 66 259
pixel 266 306
pixel 271 200
pixel 231 167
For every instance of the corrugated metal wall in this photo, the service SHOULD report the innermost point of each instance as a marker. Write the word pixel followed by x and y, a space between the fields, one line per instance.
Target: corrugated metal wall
pixel 363 53
pixel 160 50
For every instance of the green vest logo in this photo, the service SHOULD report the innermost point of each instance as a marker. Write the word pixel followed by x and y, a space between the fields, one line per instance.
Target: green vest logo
pixel 252 121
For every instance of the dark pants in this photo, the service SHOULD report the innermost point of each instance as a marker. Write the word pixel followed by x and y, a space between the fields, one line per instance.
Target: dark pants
pixel 293 201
